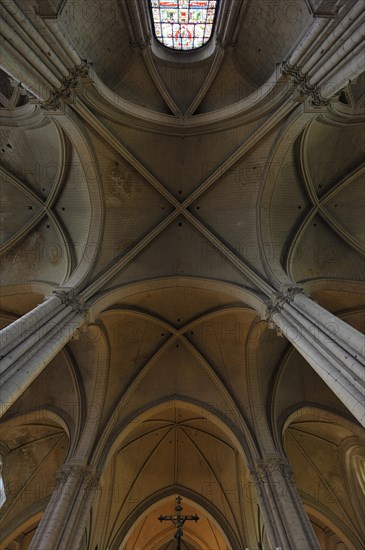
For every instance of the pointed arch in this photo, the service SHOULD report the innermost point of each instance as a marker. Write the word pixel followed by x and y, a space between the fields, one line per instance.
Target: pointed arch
pixel 183 24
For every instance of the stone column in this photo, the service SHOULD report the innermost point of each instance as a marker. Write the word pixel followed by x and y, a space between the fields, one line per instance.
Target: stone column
pixel 330 346
pixel 21 71
pixel 350 338
pixel 58 320
pixel 342 52
pixel 61 527
pixel 15 333
pixel 344 24
pixel 15 39
pixel 286 522
pixel 14 15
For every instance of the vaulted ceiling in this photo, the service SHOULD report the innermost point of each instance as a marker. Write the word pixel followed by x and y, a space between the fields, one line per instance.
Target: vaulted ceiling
pixel 175 190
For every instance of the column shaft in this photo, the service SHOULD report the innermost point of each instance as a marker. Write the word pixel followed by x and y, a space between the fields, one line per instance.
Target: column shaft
pixel 18 67
pixel 38 335
pixel 68 49
pixel 14 333
pixel 345 390
pixel 335 327
pixel 334 36
pixel 289 527
pixel 318 27
pixel 22 20
pixel 29 368
pixel 11 36
pixel 32 341
pixel 352 368
pixel 62 524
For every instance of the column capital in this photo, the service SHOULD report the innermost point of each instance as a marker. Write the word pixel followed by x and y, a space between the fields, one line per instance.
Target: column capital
pixel 92 480
pixel 65 515
pixel 76 472
pixel 65 294
pixel 69 87
pixel 69 298
pixel 264 468
pixel 66 93
pixel 279 299
pixel 68 471
pixel 282 509
pixel 302 87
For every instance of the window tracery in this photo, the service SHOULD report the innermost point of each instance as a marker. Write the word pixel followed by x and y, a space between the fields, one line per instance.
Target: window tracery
pixel 183 24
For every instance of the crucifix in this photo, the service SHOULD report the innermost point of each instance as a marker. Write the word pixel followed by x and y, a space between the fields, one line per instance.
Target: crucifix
pixel 178 520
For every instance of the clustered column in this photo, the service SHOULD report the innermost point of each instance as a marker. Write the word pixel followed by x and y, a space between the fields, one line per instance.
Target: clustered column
pixel 323 62
pixel 30 343
pixel 63 522
pixel 334 349
pixel 286 522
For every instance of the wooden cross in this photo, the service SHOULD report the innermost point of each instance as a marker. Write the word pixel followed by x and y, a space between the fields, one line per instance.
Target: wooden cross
pixel 178 520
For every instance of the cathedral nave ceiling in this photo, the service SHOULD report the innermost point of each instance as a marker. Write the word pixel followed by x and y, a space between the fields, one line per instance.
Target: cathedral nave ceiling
pixel 179 195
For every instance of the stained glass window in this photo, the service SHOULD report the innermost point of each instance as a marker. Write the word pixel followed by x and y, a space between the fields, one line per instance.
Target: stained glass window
pixel 183 24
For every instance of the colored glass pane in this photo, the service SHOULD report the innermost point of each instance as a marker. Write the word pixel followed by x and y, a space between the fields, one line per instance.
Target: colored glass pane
pixel 183 24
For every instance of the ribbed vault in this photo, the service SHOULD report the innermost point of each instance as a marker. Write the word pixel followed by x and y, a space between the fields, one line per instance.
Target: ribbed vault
pixel 177 449
pixel 47 232
pixel 322 449
pixel 33 447
pixel 176 198
pixel 148 534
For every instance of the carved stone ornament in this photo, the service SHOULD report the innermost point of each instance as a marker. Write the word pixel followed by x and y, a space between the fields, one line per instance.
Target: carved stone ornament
pixel 303 86
pixel 287 471
pixel 92 480
pixel 317 100
pixel 278 300
pixel 68 471
pixel 265 468
pixel 64 295
pixel 69 85
pixel 77 472
pixel 76 302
